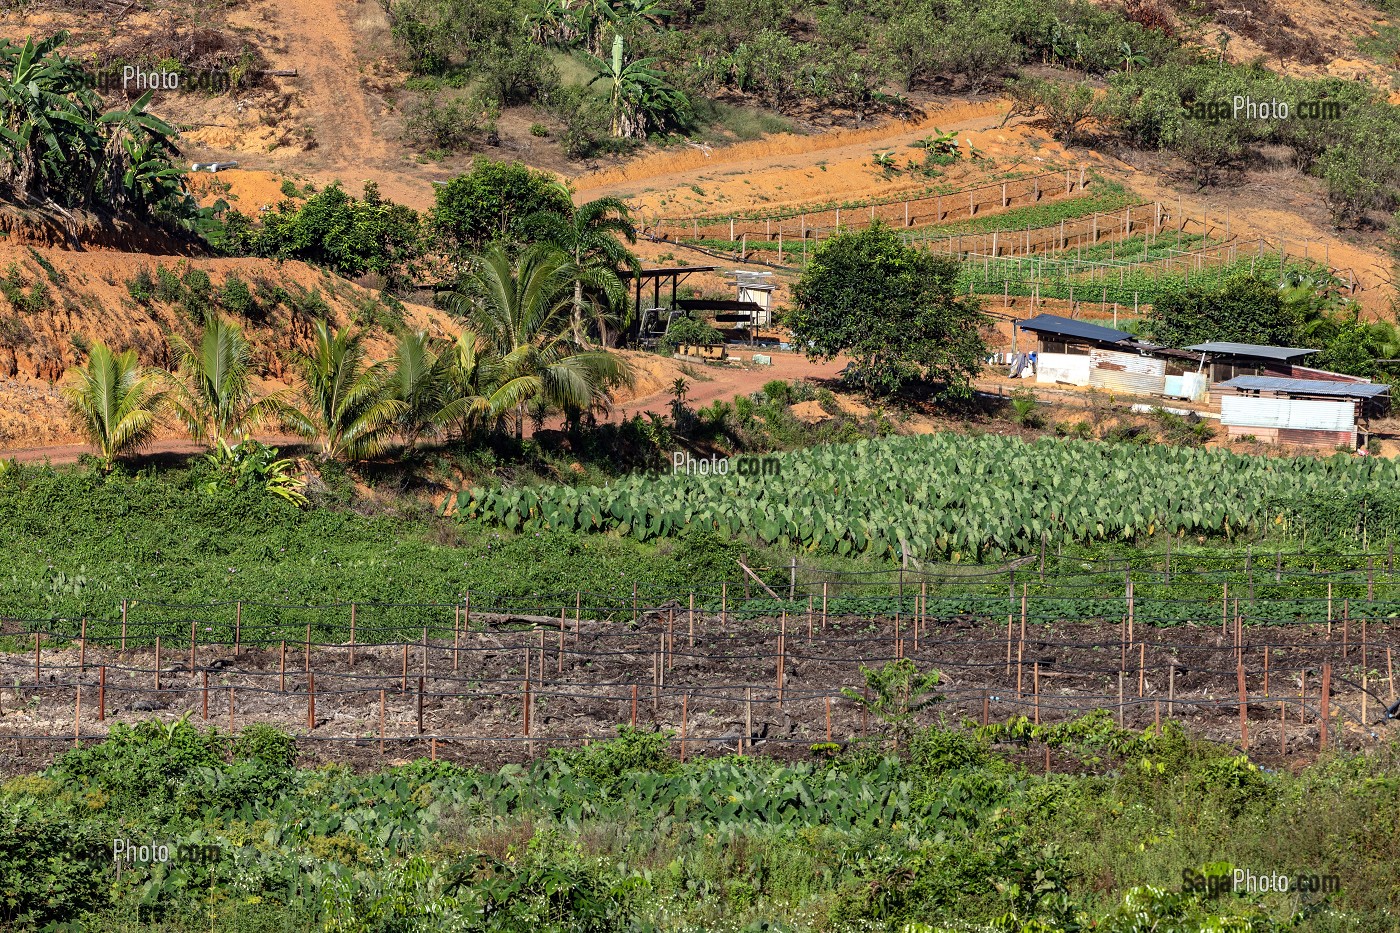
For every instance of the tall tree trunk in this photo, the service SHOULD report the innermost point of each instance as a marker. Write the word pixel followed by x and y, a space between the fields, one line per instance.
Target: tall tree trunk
pixel 578 312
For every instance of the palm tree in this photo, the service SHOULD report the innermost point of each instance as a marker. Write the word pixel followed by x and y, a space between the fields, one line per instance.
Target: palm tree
pixel 589 235
pixel 640 96
pixel 343 403
pixel 439 389
pixel 521 311
pixel 116 400
pixel 212 390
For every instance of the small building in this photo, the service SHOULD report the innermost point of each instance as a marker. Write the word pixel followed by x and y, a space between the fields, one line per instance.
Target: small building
pixel 1321 413
pixel 1084 354
pixel 1226 360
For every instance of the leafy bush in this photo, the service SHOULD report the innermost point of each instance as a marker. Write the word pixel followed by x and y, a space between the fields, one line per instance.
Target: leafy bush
pixel 141 287
pixel 237 299
pixel 689 331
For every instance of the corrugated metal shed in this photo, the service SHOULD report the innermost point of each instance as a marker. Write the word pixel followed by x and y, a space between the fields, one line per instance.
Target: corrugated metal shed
pixel 1306 387
pixel 1066 327
pixel 1125 383
pixel 1227 348
pixel 1290 413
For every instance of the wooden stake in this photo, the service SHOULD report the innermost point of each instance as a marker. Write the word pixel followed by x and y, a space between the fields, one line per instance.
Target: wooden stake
pixel 1346 624
pixel 204 695
pixel 123 625
pixel 562 622
pixel 1142 667
pixel 456 638
pixel 102 693
pixel 82 648
pixel 1323 702
pixel 423 653
pixel 1020 652
pixel 157 661
pixel 1266 670
pixel 1244 708
pixel 670 639
pixel 578 613
pixel 1035 687
pixel 193 663
pixel 1008 646
pixel 685 719
pixel 986 707
pixel 823 607
pixel 1171 689
pixel 691 643
pixel 420 705
pixel 1390 673
pixel 306 648
pixel 310 702
pixel 381 722
pixel 1120 699
pixel 634 706
pixel 403 676
pixel 723 604
pixel 748 718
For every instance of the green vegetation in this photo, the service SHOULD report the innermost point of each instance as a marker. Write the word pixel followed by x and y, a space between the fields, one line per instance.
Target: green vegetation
pixel 116 401
pixel 968 498
pixel 621 835
pixel 893 309
pixel 57 145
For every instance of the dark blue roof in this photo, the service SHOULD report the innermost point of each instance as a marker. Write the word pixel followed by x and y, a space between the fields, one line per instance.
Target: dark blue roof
pixel 1054 324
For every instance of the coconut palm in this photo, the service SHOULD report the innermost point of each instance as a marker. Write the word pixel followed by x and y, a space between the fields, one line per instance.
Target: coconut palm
pixel 590 235
pixel 343 403
pixel 521 309
pixel 212 388
pixel 116 400
pixel 440 388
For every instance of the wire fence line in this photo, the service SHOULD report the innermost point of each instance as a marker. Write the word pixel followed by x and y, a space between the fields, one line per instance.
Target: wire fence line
pixel 1024 672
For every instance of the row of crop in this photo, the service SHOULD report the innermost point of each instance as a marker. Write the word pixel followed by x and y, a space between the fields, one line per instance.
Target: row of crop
pixel 947 496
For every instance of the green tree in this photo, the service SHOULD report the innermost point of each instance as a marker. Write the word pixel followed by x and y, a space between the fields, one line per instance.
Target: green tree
pixel 349 236
pixel 521 309
pixel 492 202
pixel 1246 308
pixel 116 401
pixel 894 694
pixel 438 388
pixel 893 309
pixel 343 403
pixel 591 236
pixel 47 122
pixel 212 390
pixel 1065 107
pixel 639 96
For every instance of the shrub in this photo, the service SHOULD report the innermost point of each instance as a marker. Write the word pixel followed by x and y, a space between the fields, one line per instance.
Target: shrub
pixel 442 125
pixel 141 287
pixel 236 298
pixel 168 289
pixel 691 331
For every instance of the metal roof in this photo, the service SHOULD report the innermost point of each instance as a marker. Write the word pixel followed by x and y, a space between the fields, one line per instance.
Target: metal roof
pixel 1054 324
pixel 1307 386
pixel 1227 348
